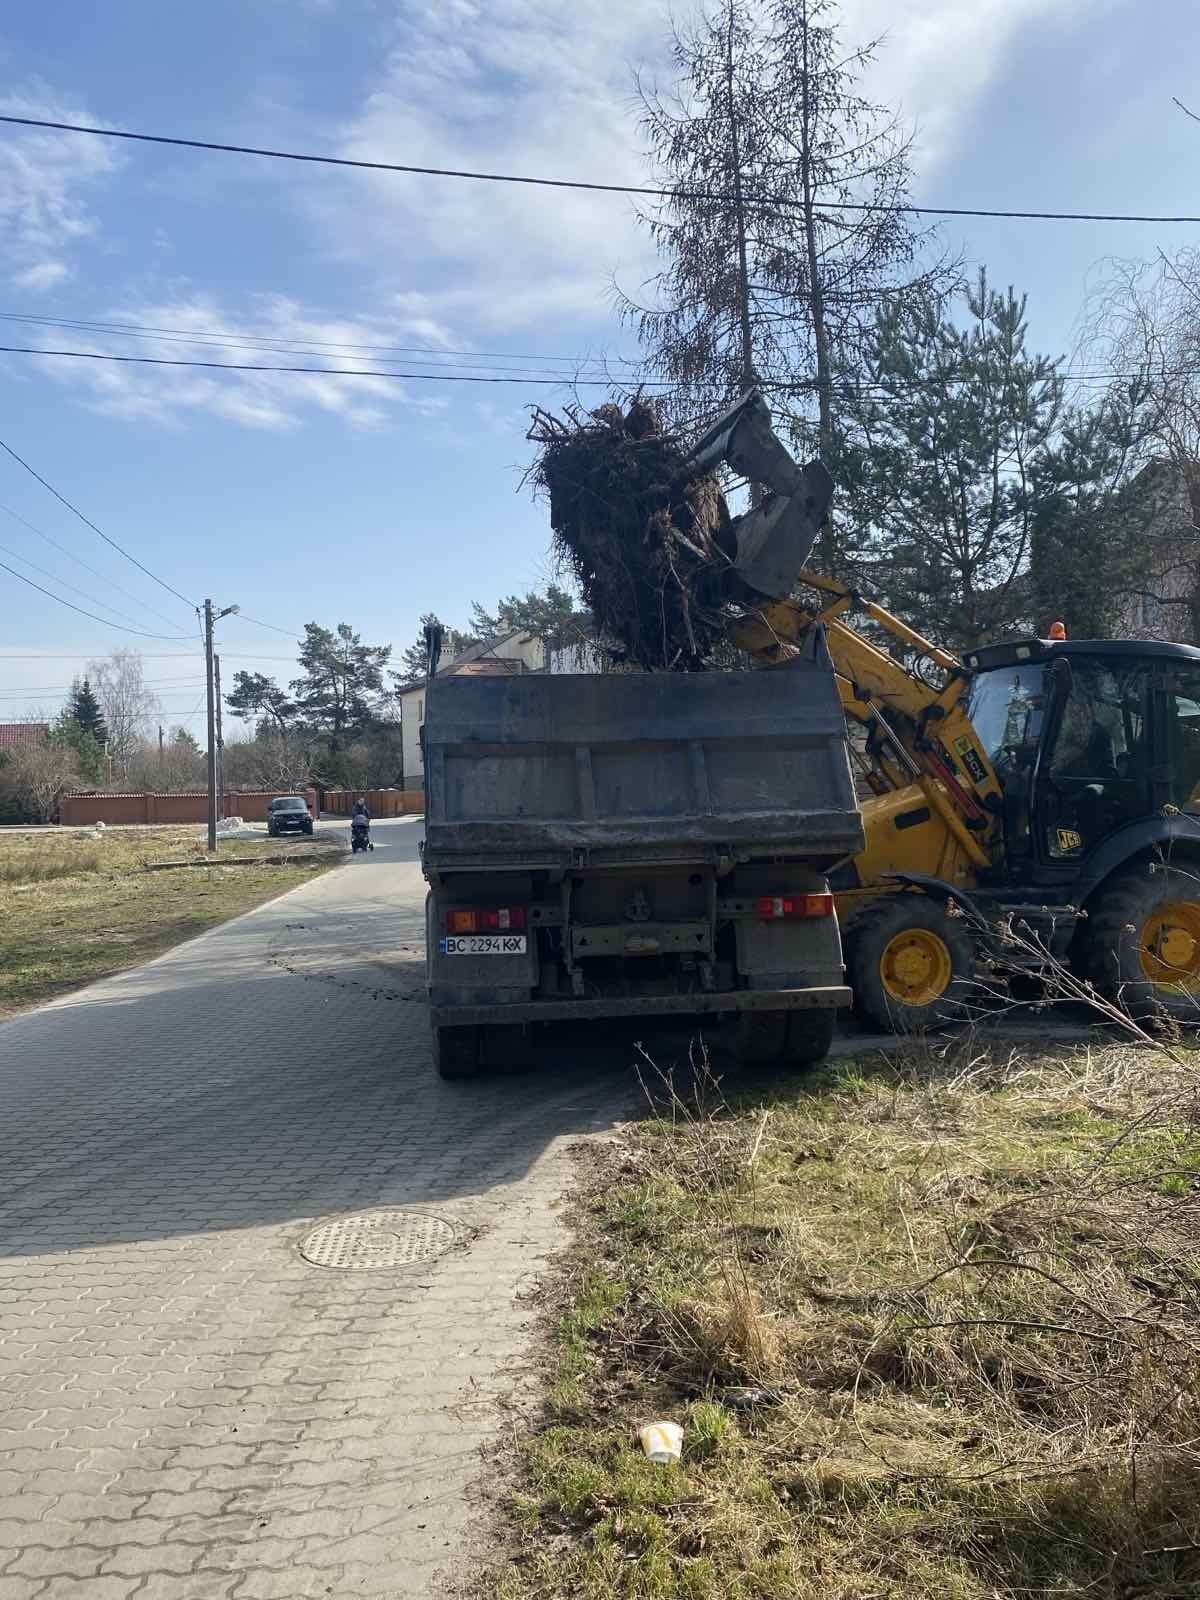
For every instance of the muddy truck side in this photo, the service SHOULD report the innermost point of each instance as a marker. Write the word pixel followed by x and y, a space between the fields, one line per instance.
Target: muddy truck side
pixel 636 844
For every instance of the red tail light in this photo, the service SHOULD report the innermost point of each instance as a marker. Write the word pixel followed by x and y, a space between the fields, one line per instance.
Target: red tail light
pixel 773 907
pixel 501 919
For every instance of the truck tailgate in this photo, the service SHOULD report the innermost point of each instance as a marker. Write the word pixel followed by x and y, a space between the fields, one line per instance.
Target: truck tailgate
pixel 543 768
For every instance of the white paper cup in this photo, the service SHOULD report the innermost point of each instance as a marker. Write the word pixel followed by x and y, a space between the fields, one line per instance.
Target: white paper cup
pixel 662 1441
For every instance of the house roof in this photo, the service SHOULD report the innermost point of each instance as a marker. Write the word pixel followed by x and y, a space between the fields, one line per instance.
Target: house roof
pixel 22 735
pixel 476 660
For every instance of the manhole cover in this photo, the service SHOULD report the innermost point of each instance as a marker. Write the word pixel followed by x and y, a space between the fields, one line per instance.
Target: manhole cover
pixel 378 1239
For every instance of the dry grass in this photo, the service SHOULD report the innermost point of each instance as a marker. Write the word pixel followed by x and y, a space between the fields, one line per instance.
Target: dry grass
pixel 75 907
pixel 973 1284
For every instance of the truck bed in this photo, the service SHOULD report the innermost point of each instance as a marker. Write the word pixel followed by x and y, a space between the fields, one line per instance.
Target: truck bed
pixel 601 769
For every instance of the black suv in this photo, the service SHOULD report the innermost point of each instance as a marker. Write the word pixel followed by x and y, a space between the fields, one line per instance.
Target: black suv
pixel 289 814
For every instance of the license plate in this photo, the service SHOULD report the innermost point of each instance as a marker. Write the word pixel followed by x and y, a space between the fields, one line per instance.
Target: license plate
pixel 483 944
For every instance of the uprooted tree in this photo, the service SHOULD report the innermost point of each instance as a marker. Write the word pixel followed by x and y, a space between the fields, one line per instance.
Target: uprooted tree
pixel 645 536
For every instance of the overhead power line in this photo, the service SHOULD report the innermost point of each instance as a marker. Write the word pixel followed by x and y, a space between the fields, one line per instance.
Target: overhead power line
pixel 79 562
pixel 141 633
pixel 580 183
pixel 62 499
pixel 62 583
pixel 291 633
pixel 326 372
pixel 871 386
pixel 90 655
pixel 285 344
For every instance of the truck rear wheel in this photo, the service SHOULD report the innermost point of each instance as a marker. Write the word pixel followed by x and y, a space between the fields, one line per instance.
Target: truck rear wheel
pixel 908 963
pixel 761 1038
pixel 784 1038
pixel 809 1036
pixel 1144 943
pixel 504 1045
pixel 457 1052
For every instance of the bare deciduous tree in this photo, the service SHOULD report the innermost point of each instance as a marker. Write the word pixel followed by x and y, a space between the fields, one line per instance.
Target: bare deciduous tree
pixel 129 707
pixel 40 775
pixel 272 760
pixel 1144 328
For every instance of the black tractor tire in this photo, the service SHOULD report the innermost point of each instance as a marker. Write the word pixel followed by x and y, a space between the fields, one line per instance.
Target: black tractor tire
pixel 1143 943
pixel 761 1038
pixel 457 1052
pixel 809 1036
pixel 941 946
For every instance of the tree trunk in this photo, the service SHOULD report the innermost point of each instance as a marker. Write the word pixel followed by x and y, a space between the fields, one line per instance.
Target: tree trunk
pixel 748 376
pixel 816 296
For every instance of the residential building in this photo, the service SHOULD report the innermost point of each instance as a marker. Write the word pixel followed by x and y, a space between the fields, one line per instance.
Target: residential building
pixel 22 735
pixel 1164 600
pixel 512 652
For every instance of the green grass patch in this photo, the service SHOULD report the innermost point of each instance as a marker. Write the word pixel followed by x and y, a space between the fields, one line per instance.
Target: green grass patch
pixel 74 908
pixel 931 1329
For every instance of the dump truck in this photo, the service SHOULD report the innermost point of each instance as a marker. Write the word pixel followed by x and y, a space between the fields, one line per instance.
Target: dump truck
pixel 647 844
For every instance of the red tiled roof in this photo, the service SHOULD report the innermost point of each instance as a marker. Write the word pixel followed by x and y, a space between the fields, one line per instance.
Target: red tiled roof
pixel 22 735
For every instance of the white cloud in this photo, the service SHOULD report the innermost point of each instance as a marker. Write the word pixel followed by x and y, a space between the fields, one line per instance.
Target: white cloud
pixel 273 331
pixel 526 86
pixel 45 275
pixel 46 180
pixel 536 87
pixel 938 57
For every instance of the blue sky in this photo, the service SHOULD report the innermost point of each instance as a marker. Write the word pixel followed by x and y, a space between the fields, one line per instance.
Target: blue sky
pixel 367 500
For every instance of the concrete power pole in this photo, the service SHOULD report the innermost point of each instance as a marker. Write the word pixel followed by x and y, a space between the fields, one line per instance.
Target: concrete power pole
pixel 212 731
pixel 220 740
pixel 212 617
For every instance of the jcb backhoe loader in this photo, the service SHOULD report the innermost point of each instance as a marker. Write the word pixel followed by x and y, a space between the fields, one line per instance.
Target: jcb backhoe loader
pixel 1047 786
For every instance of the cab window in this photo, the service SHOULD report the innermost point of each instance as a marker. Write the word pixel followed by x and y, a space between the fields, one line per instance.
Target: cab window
pixel 1183 738
pixel 1006 707
pixel 1098 761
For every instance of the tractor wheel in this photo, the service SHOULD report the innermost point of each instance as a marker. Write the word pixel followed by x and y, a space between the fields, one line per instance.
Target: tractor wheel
pixel 908 963
pixel 457 1052
pixel 1143 943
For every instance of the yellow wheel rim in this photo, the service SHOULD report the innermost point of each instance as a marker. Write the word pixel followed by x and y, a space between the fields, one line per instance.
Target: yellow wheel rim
pixel 916 968
pixel 1170 946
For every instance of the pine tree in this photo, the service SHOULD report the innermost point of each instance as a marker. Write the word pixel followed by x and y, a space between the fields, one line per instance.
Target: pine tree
pixel 939 462
pixel 84 708
pixel 341 682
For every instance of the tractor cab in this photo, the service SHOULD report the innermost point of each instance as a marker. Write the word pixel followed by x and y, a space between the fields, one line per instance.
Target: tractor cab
pixel 1090 739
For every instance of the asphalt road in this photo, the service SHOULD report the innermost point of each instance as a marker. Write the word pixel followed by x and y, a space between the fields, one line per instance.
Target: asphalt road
pixel 191 1408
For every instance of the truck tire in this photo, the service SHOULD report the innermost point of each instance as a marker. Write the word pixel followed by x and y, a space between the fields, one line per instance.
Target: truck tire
pixel 761 1038
pixel 809 1036
pixel 457 1052
pixel 1143 943
pixel 908 963
pixel 505 1046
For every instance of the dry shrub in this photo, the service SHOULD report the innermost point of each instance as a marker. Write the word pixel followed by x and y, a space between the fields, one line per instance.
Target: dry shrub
pixel 976 1279
pixel 646 537
pixel 726 1336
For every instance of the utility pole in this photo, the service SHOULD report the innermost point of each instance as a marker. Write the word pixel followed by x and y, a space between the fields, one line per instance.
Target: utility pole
pixel 210 618
pixel 220 741
pixel 161 752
